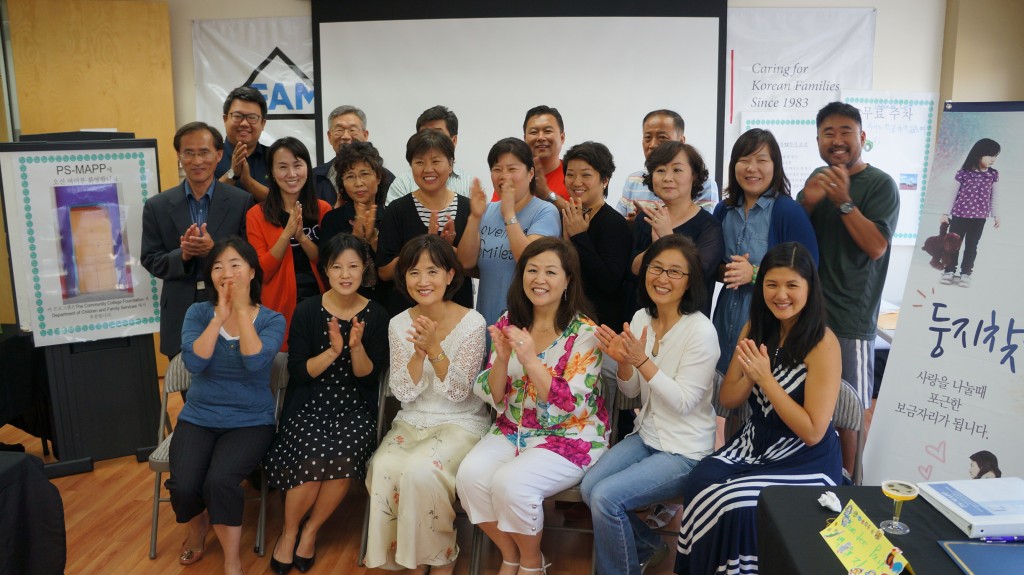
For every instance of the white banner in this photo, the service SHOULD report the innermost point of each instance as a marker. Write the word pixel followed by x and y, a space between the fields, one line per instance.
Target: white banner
pixel 900 135
pixel 273 55
pixel 74 213
pixel 784 64
pixel 952 399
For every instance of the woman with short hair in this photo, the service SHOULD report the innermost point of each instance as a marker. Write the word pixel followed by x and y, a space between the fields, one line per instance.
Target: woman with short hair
pixel 437 347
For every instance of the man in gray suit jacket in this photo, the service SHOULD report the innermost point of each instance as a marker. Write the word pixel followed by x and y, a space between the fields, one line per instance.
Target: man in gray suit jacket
pixel 180 225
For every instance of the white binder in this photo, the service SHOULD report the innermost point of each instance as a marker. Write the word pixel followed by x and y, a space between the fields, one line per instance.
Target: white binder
pixel 980 507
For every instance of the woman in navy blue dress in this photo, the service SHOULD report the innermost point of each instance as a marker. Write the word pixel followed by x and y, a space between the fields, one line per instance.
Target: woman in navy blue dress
pixel 786 366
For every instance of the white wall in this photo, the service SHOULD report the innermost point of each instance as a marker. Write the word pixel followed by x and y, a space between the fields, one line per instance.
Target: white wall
pixel 908 56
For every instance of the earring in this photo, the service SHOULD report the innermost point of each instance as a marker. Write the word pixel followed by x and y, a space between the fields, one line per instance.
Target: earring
pixel 565 295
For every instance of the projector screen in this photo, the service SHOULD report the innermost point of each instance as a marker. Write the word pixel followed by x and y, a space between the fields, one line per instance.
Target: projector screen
pixel 602 73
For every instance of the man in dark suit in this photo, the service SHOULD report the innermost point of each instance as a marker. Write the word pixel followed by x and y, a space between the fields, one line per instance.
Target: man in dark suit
pixel 180 225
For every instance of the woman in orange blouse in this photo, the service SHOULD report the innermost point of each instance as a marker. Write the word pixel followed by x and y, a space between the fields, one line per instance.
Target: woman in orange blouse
pixel 285 228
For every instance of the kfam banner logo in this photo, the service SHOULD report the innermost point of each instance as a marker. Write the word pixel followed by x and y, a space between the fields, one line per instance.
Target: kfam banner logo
pixel 288 90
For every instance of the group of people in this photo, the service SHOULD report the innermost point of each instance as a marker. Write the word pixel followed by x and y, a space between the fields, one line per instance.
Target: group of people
pixel 356 273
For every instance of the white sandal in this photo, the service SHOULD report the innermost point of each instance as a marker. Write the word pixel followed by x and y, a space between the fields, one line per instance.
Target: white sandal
pixel 543 569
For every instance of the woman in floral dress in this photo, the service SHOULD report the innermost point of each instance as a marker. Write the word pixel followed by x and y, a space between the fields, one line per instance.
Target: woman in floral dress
pixel 542 378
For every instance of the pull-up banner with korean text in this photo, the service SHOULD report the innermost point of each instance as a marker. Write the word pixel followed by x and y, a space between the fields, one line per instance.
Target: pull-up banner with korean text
pixel 952 399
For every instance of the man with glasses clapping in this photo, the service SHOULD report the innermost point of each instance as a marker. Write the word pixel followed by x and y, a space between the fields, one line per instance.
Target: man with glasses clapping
pixel 244 163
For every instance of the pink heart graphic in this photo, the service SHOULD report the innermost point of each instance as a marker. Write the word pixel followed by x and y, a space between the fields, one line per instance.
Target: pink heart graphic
pixel 937 451
pixel 925 471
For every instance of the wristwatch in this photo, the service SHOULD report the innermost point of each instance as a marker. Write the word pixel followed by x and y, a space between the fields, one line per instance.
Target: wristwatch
pixel 512 220
pixel 231 174
pixel 439 357
pixel 846 207
pixel 552 197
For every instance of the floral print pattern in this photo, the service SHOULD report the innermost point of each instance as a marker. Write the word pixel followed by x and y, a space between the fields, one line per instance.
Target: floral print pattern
pixel 573 422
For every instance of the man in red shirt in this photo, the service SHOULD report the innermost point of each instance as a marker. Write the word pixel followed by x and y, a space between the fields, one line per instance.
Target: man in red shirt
pixel 544 132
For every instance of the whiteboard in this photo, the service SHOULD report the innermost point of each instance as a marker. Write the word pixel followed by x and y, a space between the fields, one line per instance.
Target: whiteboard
pixel 603 74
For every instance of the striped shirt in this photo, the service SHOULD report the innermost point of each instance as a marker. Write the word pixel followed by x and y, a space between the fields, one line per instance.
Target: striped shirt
pixel 443 216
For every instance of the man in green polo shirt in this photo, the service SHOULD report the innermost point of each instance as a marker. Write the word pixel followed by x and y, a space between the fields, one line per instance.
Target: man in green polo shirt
pixel 854 208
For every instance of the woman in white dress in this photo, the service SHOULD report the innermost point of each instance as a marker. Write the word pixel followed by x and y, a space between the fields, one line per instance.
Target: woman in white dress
pixel 437 347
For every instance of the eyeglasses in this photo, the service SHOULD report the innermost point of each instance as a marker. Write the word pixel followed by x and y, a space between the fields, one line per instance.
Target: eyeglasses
pixel 237 117
pixel 353 176
pixel 351 131
pixel 674 274
pixel 190 155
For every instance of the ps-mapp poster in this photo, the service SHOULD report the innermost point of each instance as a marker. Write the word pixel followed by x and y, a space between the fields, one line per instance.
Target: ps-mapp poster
pixel 74 221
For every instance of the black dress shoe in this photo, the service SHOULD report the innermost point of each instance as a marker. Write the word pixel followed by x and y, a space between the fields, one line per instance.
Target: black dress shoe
pixel 304 564
pixel 277 566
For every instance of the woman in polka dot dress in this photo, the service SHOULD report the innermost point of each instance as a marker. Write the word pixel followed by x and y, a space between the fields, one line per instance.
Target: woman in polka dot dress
pixel 337 346
pixel 437 348
pixel 974 203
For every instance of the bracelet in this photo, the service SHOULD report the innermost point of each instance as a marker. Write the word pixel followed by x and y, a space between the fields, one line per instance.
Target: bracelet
pixel 439 357
pixel 753 277
pixel 642 363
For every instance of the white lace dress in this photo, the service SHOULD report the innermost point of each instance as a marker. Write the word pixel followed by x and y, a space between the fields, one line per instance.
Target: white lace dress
pixel 411 477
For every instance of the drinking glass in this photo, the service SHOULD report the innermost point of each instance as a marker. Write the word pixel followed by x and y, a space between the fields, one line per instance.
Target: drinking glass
pixel 898 491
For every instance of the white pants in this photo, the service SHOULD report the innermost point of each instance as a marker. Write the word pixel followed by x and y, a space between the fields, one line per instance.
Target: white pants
pixel 494 484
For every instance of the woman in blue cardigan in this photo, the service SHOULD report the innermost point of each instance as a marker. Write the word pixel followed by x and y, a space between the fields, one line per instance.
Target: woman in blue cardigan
pixel 228 344
pixel 758 213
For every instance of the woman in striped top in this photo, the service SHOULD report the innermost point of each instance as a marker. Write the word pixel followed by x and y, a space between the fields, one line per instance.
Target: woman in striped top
pixel 431 209
pixel 786 366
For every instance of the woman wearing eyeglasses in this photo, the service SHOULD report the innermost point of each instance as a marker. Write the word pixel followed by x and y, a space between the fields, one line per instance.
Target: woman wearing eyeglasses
pixel 667 355
pixel 358 210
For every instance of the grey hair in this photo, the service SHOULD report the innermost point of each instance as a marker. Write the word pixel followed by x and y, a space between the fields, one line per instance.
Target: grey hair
pixel 346 109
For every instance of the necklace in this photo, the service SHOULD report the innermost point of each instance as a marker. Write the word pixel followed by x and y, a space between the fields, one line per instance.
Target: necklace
pixel 657 340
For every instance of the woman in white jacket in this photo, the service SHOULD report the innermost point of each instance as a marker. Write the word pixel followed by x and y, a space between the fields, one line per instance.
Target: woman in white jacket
pixel 667 355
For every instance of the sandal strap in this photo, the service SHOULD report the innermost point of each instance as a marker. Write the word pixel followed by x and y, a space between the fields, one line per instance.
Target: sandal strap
pixel 543 569
pixel 509 563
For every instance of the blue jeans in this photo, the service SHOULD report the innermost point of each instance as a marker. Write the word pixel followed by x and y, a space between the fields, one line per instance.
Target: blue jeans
pixel 629 476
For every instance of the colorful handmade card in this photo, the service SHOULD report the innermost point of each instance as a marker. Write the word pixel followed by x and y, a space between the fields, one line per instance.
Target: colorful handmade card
pixel 861 546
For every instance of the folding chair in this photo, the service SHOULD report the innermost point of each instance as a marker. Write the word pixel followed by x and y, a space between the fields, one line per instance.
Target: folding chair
pixel 176 379
pixel 849 414
pixel 383 425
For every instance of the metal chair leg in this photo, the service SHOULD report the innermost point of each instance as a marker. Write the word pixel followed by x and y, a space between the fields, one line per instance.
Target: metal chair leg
pixel 477 548
pixel 361 560
pixel 261 525
pixel 156 516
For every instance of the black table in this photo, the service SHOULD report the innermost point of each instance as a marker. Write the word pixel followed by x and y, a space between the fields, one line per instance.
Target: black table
pixel 790 520
pixel 32 537
pixel 16 383
pixel 24 396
